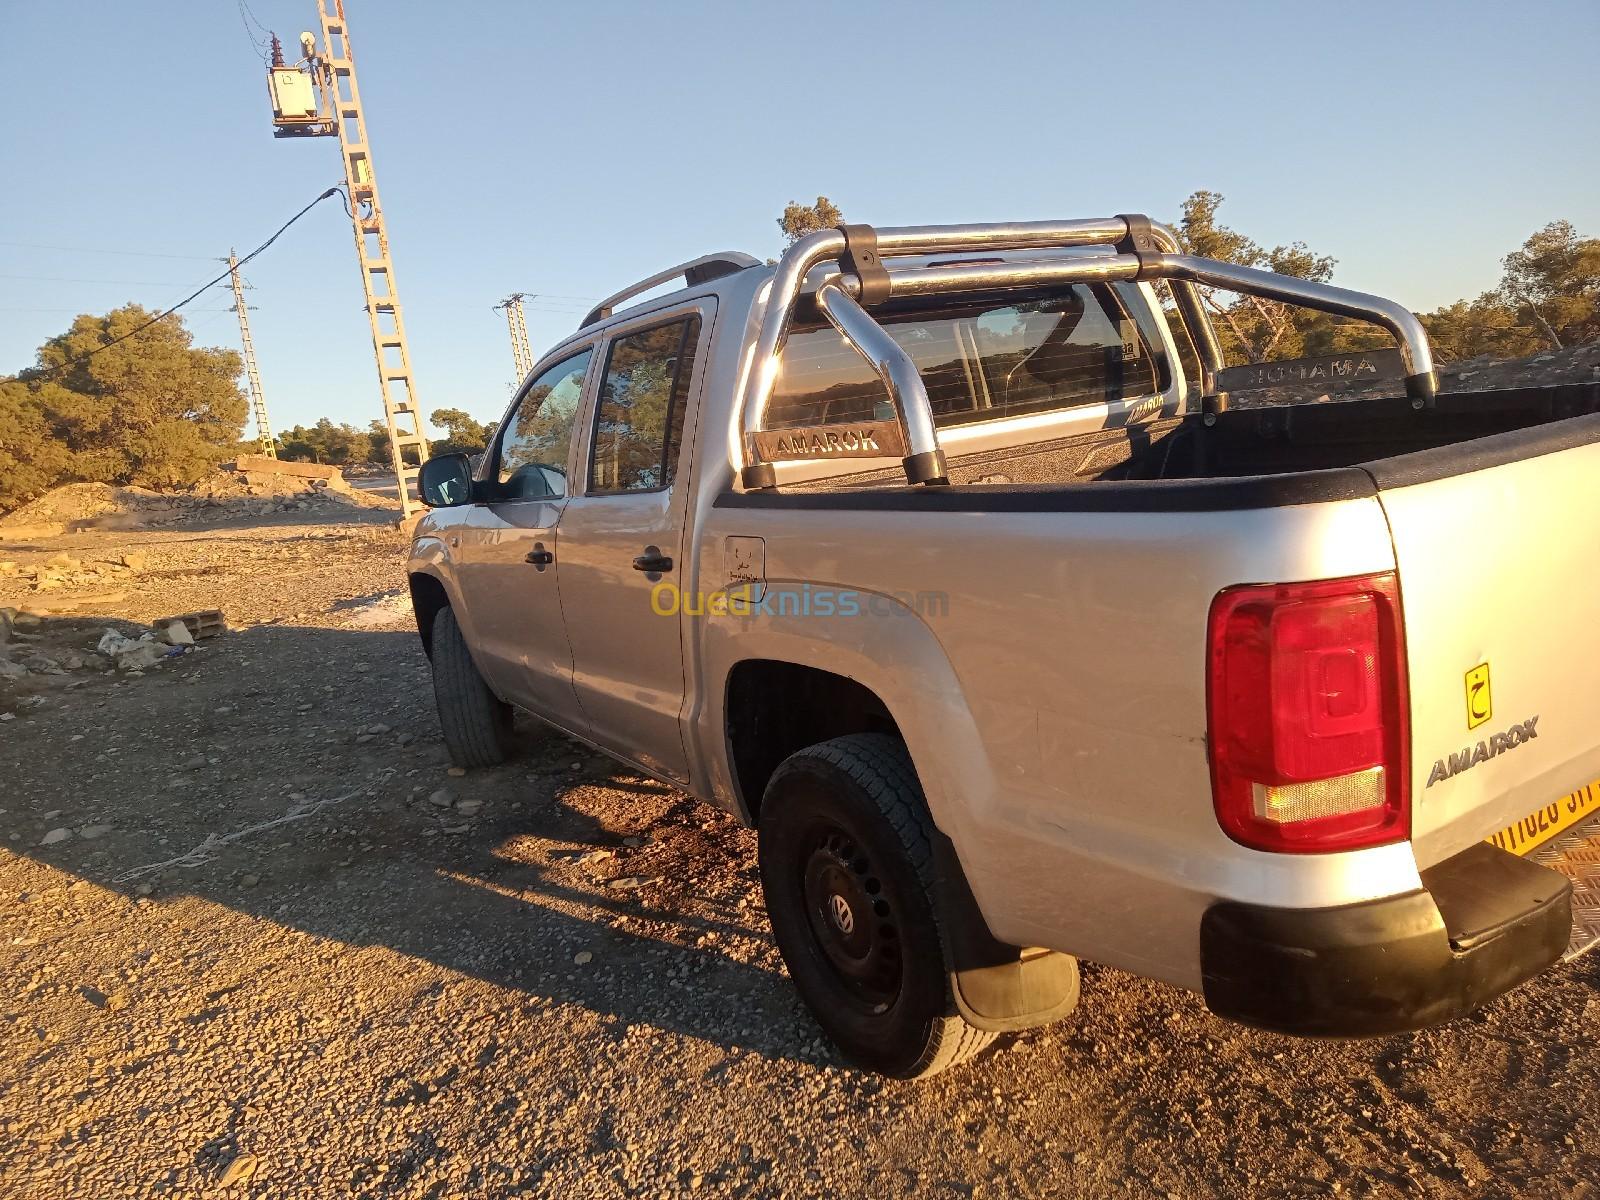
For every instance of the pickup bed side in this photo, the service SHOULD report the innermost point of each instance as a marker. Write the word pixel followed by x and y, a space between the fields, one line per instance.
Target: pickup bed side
pixel 1063 647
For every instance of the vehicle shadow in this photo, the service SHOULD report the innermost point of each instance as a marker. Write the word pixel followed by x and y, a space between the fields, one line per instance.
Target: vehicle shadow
pixel 558 875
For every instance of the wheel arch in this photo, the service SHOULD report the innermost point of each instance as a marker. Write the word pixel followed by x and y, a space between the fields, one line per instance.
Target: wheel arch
pixel 773 708
pixel 429 597
pixel 855 675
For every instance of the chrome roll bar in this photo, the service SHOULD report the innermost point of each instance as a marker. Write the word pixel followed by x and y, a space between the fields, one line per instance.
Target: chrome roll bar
pixel 1412 338
pixel 901 379
pixel 997 276
pixel 1192 312
pixel 1144 250
pixel 828 244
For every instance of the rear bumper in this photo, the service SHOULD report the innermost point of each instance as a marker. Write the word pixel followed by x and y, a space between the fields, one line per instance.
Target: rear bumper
pixel 1484 922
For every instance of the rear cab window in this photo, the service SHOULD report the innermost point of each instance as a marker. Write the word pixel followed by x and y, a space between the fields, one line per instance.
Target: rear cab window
pixel 982 359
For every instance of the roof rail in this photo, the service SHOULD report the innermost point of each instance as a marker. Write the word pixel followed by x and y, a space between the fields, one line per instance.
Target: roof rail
pixel 695 272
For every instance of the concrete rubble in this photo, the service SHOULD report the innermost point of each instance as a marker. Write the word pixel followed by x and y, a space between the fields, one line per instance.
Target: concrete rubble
pixel 133 654
pixel 62 571
pixel 31 648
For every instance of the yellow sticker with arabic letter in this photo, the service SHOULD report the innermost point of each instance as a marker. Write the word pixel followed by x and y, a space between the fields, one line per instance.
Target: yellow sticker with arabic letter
pixel 1480 704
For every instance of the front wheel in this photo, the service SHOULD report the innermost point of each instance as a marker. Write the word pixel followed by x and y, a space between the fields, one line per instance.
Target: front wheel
pixel 846 857
pixel 475 722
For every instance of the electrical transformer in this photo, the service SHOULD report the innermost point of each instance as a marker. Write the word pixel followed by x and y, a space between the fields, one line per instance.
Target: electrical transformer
pixel 294 99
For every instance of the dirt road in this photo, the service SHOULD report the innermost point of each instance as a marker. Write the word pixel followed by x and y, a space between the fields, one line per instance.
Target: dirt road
pixel 359 974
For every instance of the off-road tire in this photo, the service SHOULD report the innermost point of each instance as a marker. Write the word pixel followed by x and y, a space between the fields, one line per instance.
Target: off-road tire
pixel 476 723
pixel 856 802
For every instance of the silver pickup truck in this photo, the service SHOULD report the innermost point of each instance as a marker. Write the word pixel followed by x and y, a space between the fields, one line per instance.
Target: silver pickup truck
pixel 921 552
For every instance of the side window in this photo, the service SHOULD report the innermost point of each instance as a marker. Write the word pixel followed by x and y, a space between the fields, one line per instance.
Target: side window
pixel 639 418
pixel 531 459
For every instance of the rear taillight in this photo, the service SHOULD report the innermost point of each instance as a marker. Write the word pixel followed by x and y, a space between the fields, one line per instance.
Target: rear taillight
pixel 1306 706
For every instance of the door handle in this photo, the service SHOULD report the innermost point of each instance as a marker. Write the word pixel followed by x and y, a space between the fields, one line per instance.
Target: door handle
pixel 540 558
pixel 652 561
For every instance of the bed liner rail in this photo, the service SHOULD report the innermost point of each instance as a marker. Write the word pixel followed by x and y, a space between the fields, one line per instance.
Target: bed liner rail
pixel 1143 250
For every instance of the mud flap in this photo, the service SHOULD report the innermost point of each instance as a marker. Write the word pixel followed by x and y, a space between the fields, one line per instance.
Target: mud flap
pixel 998 988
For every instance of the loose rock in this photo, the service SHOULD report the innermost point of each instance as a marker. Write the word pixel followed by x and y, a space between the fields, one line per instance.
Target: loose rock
pixel 239 1172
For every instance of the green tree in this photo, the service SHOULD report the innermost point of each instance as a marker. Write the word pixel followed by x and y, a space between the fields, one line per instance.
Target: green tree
pixel 151 410
pixel 1487 325
pixel 1553 282
pixel 463 434
pixel 327 442
pixel 1548 298
pixel 378 443
pixel 32 459
pixel 800 219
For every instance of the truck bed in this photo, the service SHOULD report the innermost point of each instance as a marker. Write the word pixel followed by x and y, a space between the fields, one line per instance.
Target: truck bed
pixel 1289 454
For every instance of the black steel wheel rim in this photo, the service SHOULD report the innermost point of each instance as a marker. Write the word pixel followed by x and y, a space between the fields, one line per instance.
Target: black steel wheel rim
pixel 854 920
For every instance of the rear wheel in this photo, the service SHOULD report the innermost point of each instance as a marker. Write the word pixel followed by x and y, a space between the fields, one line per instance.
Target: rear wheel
pixel 476 723
pixel 846 858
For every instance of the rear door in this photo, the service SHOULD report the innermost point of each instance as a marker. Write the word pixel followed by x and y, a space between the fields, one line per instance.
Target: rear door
pixel 622 536
pixel 1500 584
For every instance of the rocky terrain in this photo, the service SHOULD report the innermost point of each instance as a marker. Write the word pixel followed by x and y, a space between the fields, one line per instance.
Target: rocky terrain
pixel 257 939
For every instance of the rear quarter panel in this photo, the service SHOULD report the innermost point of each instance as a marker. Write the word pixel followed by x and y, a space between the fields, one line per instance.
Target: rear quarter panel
pixel 1055 708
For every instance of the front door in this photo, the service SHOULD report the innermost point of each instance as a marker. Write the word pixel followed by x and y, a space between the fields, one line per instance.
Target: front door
pixel 508 551
pixel 622 538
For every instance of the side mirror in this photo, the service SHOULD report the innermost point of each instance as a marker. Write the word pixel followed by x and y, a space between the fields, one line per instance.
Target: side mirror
pixel 445 481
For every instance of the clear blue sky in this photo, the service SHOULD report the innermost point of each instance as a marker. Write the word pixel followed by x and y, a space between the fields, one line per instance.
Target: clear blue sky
pixel 568 149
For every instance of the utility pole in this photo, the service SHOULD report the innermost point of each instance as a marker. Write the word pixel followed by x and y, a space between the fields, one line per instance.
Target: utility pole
pixel 336 110
pixel 258 402
pixel 521 353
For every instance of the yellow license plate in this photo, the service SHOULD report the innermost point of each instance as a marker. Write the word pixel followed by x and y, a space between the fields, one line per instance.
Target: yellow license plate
pixel 1543 824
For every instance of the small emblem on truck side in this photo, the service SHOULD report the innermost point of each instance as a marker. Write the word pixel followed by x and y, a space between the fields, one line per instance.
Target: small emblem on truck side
pixel 1480 704
pixel 1471 756
pixel 860 439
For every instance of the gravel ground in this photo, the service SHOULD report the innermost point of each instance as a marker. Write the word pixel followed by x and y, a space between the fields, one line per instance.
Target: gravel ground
pixel 555 978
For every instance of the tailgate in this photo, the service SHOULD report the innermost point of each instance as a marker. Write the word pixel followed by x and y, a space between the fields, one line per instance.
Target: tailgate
pixel 1498 547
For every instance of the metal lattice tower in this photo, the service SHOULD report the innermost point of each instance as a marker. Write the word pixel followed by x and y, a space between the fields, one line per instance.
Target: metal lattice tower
pixel 258 402
pixel 339 113
pixel 521 352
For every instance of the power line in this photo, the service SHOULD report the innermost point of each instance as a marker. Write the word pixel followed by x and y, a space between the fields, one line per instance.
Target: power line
pixel 79 310
pixel 558 296
pixel 72 279
pixel 244 9
pixel 94 250
pixel 256 44
pixel 83 358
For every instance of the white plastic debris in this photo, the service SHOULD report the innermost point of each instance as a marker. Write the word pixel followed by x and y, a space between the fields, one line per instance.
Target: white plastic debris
pixel 128 653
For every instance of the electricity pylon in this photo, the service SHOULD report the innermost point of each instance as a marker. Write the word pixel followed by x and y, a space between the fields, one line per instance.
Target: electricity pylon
pixel 521 352
pixel 335 110
pixel 258 402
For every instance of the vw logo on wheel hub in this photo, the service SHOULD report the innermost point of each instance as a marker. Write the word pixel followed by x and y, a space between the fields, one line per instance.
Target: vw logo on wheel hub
pixel 842 916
